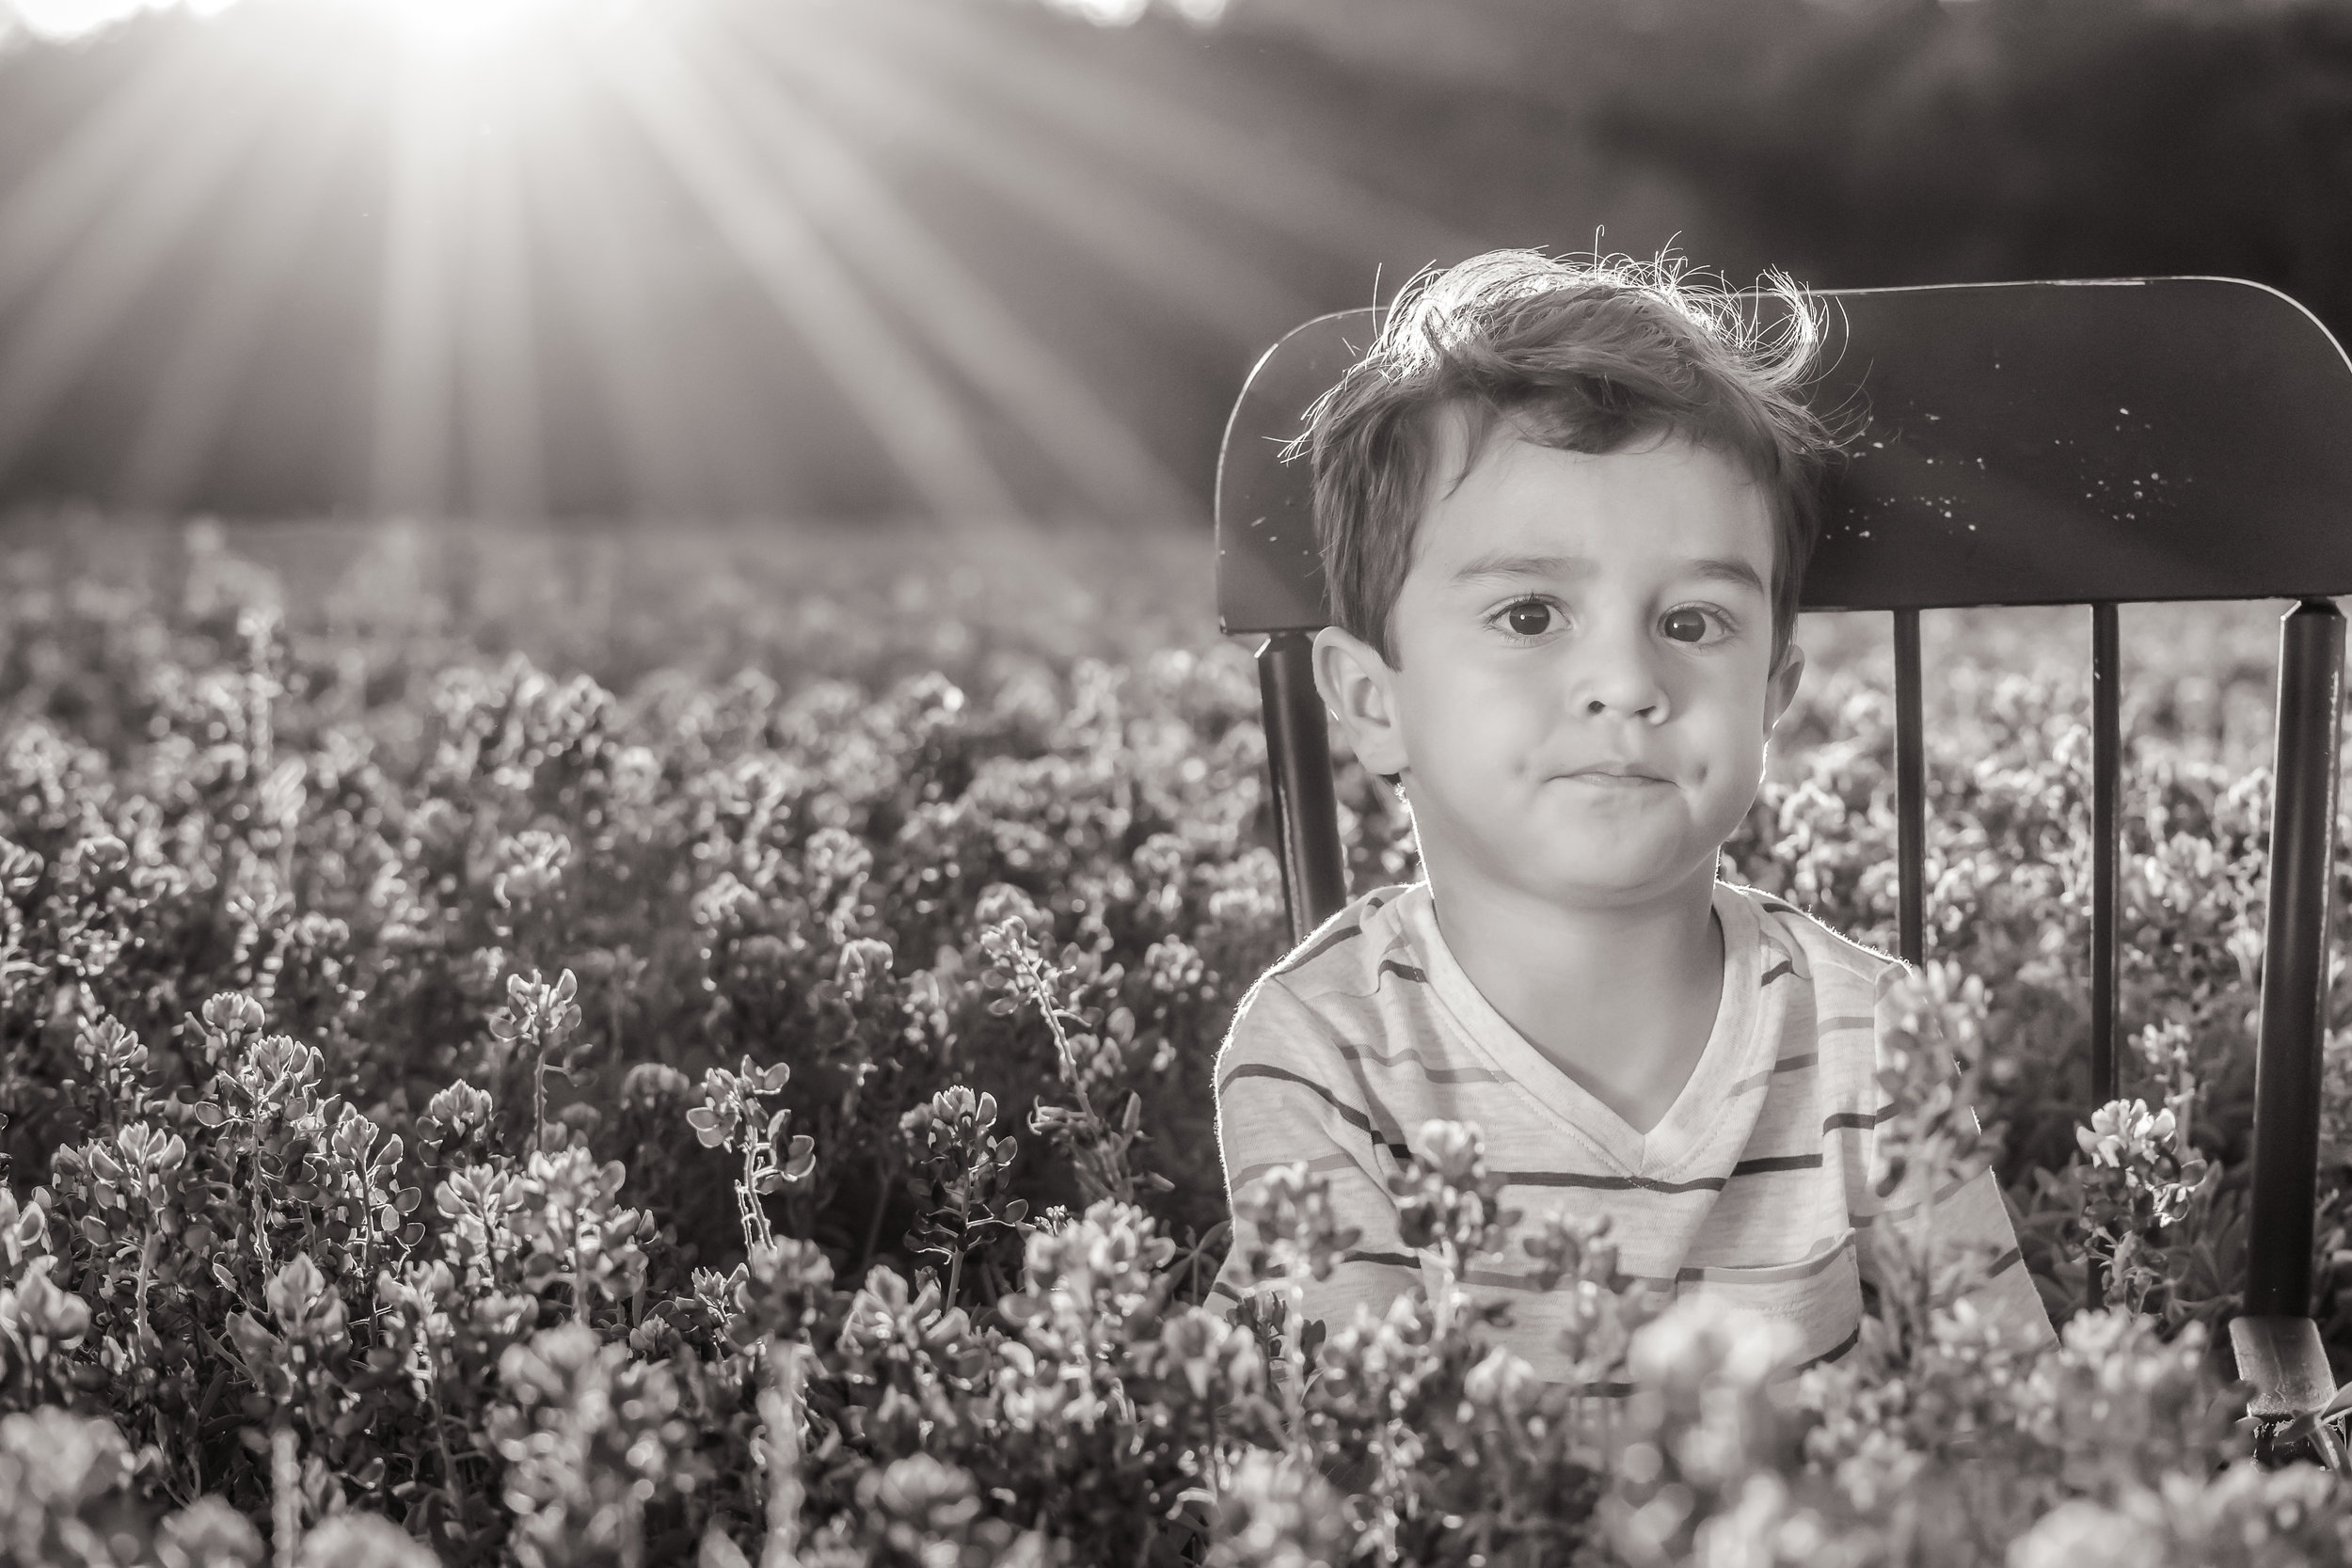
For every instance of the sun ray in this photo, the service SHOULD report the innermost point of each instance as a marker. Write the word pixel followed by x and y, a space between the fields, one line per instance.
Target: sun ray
pixel 807 147
pixel 914 417
pixel 72 187
pixel 611 306
pixel 1169 259
pixel 961 319
pixel 1126 122
pixel 98 279
pixel 415 358
pixel 191 400
pixel 497 373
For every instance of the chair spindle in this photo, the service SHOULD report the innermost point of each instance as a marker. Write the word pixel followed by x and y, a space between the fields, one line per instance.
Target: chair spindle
pixel 2105 767
pixel 1911 792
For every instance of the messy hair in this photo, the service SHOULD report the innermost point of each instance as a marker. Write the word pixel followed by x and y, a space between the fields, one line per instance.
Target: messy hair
pixel 1583 356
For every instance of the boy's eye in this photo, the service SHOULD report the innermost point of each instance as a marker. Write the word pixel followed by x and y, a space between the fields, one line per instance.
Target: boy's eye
pixel 1685 625
pixel 1528 618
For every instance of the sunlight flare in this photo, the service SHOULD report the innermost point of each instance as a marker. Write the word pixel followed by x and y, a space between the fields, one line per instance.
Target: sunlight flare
pixel 889 257
pixel 80 304
pixel 192 398
pixel 476 25
pixel 914 416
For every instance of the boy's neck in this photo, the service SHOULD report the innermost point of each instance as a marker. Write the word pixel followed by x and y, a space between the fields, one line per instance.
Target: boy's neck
pixel 1622 999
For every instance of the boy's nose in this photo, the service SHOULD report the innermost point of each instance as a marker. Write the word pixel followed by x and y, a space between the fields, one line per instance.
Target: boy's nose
pixel 1619 676
pixel 1651 707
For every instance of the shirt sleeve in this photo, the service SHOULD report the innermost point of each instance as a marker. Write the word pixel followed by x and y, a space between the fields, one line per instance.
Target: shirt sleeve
pixel 1948 1211
pixel 1287 1094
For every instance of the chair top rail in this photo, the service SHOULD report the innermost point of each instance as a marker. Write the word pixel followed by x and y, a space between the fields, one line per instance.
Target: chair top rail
pixel 2126 440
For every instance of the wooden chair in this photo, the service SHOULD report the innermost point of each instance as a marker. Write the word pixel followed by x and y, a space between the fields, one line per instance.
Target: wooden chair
pixel 2095 443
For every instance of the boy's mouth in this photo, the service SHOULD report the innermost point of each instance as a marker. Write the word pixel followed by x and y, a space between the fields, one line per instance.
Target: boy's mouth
pixel 1617 772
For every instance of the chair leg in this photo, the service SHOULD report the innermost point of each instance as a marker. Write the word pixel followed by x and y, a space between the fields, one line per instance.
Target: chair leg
pixel 2286 1367
pixel 1298 762
pixel 2278 1347
pixel 2295 963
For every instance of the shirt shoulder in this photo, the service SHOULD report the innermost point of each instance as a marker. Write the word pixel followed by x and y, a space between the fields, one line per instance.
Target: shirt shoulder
pixel 1324 989
pixel 1346 953
pixel 1343 963
pixel 1827 959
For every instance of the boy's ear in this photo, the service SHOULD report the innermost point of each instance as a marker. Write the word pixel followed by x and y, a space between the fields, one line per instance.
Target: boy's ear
pixel 1358 688
pixel 1781 689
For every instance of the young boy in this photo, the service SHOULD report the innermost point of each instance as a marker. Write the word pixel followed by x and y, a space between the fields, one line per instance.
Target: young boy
pixel 1564 513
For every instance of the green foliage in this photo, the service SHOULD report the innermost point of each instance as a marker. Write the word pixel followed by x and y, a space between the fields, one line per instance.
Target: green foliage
pixel 373 1068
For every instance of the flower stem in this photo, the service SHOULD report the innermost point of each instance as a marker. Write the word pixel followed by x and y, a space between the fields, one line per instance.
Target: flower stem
pixel 147 1266
pixel 285 1482
pixel 881 1207
pixel 779 1413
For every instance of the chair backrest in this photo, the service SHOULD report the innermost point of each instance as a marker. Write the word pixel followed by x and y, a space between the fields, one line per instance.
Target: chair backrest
pixel 2025 443
pixel 2093 443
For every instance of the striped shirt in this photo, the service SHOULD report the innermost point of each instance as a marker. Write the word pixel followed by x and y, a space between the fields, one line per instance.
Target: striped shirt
pixel 1755 1185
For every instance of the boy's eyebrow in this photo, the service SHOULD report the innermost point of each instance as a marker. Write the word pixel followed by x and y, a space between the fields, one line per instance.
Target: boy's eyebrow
pixel 1504 564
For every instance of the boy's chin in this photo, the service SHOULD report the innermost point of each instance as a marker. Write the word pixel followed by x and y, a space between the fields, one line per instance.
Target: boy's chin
pixel 1590 888
pixel 1630 895
pixel 1574 866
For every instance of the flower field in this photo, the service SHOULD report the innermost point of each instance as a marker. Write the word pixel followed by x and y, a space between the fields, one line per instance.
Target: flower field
pixel 629 1051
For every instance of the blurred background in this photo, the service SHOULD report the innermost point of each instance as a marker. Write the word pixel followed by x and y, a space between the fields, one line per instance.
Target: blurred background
pixel 954 262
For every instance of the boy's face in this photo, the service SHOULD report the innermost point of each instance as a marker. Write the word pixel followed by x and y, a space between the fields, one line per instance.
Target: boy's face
pixel 1585 680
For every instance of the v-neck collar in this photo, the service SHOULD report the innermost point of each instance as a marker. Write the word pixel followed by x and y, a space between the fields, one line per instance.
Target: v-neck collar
pixel 1704 1094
